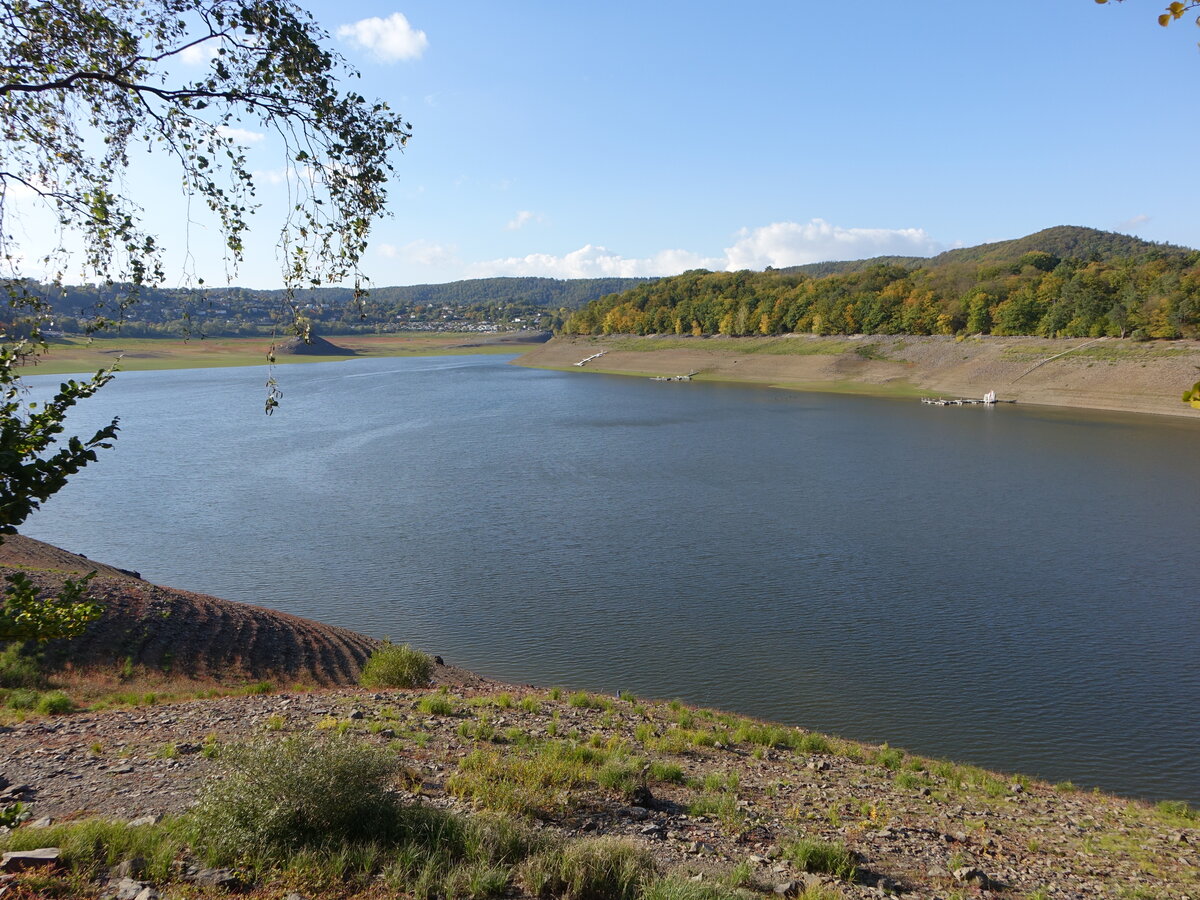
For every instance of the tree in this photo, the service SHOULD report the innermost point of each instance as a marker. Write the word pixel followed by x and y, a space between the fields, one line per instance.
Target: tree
pixel 84 84
pixel 1174 11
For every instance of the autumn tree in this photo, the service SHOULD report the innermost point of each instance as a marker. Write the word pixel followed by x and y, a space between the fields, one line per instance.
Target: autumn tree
pixel 84 85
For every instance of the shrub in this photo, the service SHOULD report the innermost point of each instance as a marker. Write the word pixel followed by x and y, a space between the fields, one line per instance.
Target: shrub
pixel 22 698
pixel 822 857
pixel 436 705
pixel 282 795
pixel 54 703
pixel 19 668
pixel 599 869
pixel 396 666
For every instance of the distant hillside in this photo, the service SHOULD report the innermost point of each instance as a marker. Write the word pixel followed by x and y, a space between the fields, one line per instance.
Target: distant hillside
pixel 1061 282
pixel 1061 241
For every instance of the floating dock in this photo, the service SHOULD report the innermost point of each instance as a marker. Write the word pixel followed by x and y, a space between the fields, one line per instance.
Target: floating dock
pixel 590 358
pixel 962 401
pixel 687 377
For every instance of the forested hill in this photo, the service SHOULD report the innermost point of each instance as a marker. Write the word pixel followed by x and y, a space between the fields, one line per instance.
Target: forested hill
pixel 1064 281
pixel 1063 241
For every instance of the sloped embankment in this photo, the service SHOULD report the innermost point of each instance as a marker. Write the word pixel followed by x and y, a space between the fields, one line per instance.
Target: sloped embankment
pixel 1104 373
pixel 187 633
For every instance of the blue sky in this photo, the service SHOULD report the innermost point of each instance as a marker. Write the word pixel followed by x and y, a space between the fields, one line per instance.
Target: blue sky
pixel 577 140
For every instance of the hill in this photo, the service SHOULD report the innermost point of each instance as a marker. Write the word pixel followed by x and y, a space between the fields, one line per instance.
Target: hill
pixel 1061 241
pixel 1061 282
pixel 185 633
pixel 314 346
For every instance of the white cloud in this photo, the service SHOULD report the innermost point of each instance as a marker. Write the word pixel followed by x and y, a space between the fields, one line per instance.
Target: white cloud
pixel 591 261
pixel 389 40
pixel 1135 222
pixel 270 176
pixel 794 244
pixel 199 54
pixel 240 135
pixel 522 218
pixel 421 252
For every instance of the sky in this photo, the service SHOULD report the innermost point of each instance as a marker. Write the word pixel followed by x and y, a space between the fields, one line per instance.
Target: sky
pixel 580 140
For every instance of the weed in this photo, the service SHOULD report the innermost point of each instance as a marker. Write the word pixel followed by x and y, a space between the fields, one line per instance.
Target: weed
pixel 91 847
pixel 889 758
pixel 582 700
pixel 504 701
pixel 1065 787
pixel 20 667
pixel 628 697
pixel 396 666
pixel 822 857
pixel 668 772
pixel 275 722
pixel 435 705
pixel 22 699
pixel 167 751
pixel 54 703
pixel 674 887
pixel 599 869
pixel 530 705
pixel 291 793
pixel 555 693
pixel 210 748
pixel 259 687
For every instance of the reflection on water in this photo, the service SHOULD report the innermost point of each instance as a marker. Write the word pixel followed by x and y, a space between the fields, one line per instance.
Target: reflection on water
pixel 1008 586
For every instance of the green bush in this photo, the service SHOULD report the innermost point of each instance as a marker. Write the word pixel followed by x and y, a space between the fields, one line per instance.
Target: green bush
pixel 20 668
pixel 303 791
pixel 396 666
pixel 822 857
pixel 54 703
pixel 22 698
pixel 599 869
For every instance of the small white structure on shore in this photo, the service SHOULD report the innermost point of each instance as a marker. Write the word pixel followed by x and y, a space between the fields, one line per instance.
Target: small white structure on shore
pixel 989 398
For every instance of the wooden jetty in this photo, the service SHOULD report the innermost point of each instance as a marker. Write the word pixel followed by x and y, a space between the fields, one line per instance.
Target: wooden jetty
pixel 590 358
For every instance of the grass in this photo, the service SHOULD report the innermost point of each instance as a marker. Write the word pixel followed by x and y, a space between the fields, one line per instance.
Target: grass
pixel 822 857
pixel 601 869
pixel 396 666
pixel 436 705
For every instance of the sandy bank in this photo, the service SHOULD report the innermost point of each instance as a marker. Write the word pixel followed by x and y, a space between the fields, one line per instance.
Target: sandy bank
pixel 1111 374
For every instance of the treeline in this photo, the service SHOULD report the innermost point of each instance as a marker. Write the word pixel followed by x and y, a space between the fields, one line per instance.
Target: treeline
pixel 1153 295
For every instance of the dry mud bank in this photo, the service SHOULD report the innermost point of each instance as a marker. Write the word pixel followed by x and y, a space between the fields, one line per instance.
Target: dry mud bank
pixel 1109 373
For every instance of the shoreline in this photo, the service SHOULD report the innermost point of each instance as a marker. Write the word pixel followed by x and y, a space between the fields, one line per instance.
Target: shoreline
pixel 1108 374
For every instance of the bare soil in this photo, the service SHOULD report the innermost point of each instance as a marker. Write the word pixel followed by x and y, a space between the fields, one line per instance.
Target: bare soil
pixel 196 635
pixel 1109 373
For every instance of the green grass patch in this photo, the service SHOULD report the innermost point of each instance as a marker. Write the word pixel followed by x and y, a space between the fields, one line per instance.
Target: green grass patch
pixel 396 666
pixel 822 857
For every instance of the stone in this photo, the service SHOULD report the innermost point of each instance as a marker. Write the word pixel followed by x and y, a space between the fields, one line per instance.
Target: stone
pixel 356 714
pixel 787 888
pixel 388 733
pixel 971 875
pixel 20 860
pixel 127 889
pixel 121 770
pixel 222 878
pixel 43 822
pixel 653 830
pixel 134 867
pixel 147 893
pixel 638 812
pixel 144 820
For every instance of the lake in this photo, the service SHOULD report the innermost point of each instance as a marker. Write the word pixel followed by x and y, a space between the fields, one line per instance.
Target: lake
pixel 1014 587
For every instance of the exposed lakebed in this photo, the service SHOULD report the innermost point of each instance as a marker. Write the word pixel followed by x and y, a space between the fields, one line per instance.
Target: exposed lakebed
pixel 1011 587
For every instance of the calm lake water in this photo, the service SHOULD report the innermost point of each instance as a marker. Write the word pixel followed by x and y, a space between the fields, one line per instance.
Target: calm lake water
pixel 1014 587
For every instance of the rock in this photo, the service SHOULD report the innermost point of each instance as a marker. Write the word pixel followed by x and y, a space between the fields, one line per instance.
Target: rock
pixel 144 820
pixel 653 830
pixel 1017 788
pixel 439 660
pixel 133 867
pixel 125 889
pixel 787 888
pixel 294 896
pixel 637 812
pixel 971 875
pixel 43 822
pixel 222 878
pixel 121 770
pixel 147 893
pixel 356 714
pixel 642 797
pixel 20 860
pixel 388 733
